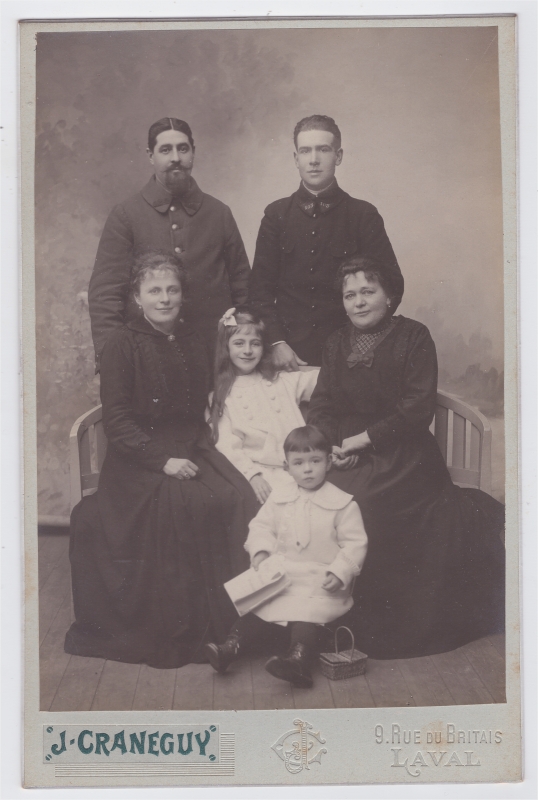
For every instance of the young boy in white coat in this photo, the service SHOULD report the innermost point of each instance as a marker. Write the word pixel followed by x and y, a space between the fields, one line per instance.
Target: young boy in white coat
pixel 318 532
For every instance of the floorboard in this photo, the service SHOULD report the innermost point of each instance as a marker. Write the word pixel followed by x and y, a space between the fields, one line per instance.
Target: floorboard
pixel 194 687
pixel 53 594
pixel 53 660
pixel 498 640
pixel 387 684
pixel 489 665
pixel 351 693
pixel 463 683
pixel 116 687
pixel 154 689
pixel 51 549
pixel 269 692
pixel 233 689
pixel 425 684
pixel 76 690
pixel 320 696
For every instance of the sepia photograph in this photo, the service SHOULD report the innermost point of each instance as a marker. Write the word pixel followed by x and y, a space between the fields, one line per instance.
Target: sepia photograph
pixel 270 338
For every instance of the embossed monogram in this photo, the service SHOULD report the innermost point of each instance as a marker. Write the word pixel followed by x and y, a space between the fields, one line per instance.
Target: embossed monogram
pixel 297 748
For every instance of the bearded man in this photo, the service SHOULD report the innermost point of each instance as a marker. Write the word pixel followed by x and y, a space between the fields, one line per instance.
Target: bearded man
pixel 170 215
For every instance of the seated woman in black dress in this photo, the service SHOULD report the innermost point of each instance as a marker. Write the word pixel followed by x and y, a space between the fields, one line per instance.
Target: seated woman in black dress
pixel 433 579
pixel 150 550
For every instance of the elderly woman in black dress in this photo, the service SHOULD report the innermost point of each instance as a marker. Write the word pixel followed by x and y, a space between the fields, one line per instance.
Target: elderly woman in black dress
pixel 434 576
pixel 150 550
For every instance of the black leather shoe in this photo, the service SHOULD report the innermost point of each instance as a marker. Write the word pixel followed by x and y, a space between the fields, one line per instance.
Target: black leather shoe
pixel 293 668
pixel 221 655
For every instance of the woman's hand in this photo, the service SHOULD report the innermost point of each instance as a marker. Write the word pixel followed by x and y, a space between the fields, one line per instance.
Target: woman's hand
pixel 341 461
pixel 354 443
pixel 262 489
pixel 331 582
pixel 258 558
pixel 285 358
pixel 180 468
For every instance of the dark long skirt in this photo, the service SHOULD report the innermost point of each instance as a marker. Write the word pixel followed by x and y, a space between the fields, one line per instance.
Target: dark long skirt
pixel 433 579
pixel 149 557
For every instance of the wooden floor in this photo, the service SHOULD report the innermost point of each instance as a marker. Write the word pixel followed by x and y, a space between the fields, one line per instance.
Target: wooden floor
pixel 472 674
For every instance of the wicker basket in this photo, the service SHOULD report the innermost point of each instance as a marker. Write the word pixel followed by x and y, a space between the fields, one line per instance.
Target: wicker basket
pixel 343 663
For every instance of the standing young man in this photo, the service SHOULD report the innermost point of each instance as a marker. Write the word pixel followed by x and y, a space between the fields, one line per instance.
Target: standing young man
pixel 301 243
pixel 171 215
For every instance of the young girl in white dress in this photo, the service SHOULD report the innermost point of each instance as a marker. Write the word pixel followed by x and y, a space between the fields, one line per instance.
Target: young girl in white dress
pixel 254 407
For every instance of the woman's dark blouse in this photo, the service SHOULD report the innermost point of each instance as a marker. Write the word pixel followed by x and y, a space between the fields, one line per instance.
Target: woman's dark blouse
pixel 151 382
pixel 392 399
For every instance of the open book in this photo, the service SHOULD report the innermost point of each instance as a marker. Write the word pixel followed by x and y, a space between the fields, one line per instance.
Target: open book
pixel 253 588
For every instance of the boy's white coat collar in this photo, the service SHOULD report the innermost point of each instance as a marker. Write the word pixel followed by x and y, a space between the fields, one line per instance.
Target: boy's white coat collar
pixel 328 496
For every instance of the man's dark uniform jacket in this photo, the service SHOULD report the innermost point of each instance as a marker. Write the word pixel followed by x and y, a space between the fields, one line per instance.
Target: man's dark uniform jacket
pixel 198 228
pixel 302 241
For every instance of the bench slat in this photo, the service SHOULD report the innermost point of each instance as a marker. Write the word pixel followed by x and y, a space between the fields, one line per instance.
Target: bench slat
pixel 458 441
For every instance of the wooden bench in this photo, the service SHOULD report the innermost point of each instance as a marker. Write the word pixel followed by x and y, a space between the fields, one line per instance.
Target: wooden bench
pixel 463 436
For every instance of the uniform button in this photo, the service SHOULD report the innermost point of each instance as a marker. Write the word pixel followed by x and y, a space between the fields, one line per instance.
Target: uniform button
pixel 312 288
pixel 311 269
pixel 172 208
pixel 314 324
pixel 177 249
pixel 174 227
pixel 313 233
pixel 314 215
pixel 312 251
pixel 313 307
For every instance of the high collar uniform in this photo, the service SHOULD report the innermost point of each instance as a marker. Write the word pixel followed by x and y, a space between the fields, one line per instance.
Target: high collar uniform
pixel 196 227
pixel 302 241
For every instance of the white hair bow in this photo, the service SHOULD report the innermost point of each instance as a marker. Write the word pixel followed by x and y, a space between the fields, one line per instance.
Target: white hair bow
pixel 228 318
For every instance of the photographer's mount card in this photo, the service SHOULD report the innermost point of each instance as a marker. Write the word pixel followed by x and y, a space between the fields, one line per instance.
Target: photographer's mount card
pixel 426 109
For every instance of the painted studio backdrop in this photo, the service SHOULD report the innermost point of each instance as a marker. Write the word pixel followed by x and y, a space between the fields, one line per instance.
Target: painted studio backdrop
pixel 419 115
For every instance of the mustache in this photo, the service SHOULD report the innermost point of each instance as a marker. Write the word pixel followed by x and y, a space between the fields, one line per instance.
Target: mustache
pixel 176 167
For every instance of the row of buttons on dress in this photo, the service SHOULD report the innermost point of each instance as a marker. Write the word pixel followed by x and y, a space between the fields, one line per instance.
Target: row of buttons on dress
pixel 246 405
pixel 179 351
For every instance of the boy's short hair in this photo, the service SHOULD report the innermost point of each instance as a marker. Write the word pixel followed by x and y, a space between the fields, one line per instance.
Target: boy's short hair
pixel 302 440
pixel 319 122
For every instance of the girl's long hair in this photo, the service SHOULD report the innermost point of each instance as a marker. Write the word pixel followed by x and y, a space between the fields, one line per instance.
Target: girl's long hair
pixel 224 373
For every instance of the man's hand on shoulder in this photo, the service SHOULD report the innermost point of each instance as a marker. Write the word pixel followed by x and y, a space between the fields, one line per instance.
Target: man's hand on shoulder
pixel 284 358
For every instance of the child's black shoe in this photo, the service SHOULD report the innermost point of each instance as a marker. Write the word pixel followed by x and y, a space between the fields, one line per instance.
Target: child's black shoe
pixel 293 668
pixel 221 655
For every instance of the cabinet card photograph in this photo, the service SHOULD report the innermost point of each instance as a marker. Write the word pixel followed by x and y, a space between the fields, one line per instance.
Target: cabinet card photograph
pixel 269 293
